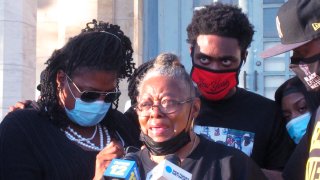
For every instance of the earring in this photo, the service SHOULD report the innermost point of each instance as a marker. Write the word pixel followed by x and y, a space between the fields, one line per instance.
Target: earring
pixel 192 124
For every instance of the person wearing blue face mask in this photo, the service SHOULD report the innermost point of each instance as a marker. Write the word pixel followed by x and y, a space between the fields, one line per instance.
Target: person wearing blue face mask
pixel 297 126
pixel 77 113
pixel 85 112
pixel 298 26
pixel 297 104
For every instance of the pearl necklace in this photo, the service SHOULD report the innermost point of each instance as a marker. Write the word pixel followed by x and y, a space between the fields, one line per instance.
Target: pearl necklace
pixel 80 138
pixel 86 142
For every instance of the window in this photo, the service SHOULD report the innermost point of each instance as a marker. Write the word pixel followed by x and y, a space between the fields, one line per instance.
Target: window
pixel 269 22
pixel 272 1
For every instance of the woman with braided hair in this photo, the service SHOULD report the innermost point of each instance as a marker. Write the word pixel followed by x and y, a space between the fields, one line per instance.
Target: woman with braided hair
pixel 77 115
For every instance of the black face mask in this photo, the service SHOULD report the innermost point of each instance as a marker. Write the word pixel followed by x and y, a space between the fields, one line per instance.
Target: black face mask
pixel 308 71
pixel 167 147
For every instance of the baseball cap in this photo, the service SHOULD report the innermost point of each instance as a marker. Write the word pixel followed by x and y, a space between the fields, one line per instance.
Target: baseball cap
pixel 298 22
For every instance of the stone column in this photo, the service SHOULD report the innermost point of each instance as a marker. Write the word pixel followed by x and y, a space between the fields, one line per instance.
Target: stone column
pixel 17 52
pixel 128 15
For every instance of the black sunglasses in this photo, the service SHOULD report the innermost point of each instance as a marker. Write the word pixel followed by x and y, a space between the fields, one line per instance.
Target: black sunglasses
pixel 90 96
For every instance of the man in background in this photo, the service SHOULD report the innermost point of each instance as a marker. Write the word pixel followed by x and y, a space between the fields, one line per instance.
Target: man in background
pixel 219 36
pixel 298 25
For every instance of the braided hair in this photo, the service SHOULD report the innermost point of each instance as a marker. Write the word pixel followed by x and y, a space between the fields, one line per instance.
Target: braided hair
pixel 135 78
pixel 99 46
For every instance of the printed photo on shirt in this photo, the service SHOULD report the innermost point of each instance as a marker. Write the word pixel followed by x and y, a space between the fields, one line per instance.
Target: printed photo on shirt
pixel 238 139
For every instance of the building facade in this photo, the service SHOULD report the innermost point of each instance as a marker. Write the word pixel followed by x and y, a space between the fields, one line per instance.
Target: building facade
pixel 30 30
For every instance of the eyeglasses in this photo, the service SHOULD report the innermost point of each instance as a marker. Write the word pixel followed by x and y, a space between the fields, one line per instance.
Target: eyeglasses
pixel 90 96
pixel 166 106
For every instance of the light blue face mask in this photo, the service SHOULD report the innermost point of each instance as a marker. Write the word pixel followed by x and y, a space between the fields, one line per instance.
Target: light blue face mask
pixel 87 114
pixel 297 127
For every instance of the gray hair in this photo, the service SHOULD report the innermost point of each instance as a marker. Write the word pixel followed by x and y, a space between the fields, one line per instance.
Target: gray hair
pixel 169 65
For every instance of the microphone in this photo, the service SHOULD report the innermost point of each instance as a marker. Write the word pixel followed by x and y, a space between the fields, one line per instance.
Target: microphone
pixel 169 169
pixel 126 168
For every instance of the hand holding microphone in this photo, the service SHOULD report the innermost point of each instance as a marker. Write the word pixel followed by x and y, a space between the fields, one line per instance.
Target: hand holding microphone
pixel 104 158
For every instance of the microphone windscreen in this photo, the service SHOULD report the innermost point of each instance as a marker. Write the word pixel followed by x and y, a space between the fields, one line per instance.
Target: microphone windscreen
pixel 167 170
pixel 121 169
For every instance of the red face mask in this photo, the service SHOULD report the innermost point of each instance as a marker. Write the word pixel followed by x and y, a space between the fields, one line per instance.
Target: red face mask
pixel 214 85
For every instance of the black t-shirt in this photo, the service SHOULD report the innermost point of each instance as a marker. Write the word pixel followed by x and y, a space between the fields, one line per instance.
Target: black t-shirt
pixel 31 147
pixel 211 161
pixel 250 123
pixel 295 167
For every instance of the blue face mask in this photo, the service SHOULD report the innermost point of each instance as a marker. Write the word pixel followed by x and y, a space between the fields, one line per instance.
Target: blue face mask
pixel 87 114
pixel 297 127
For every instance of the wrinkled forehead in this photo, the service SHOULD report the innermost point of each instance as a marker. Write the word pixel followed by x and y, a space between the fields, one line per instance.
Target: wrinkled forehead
pixel 160 86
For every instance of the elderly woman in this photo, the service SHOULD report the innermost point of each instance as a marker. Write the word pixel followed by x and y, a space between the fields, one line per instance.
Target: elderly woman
pixel 166 106
pixel 77 114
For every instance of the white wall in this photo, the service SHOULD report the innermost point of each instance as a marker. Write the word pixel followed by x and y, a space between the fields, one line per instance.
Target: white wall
pixel 17 51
